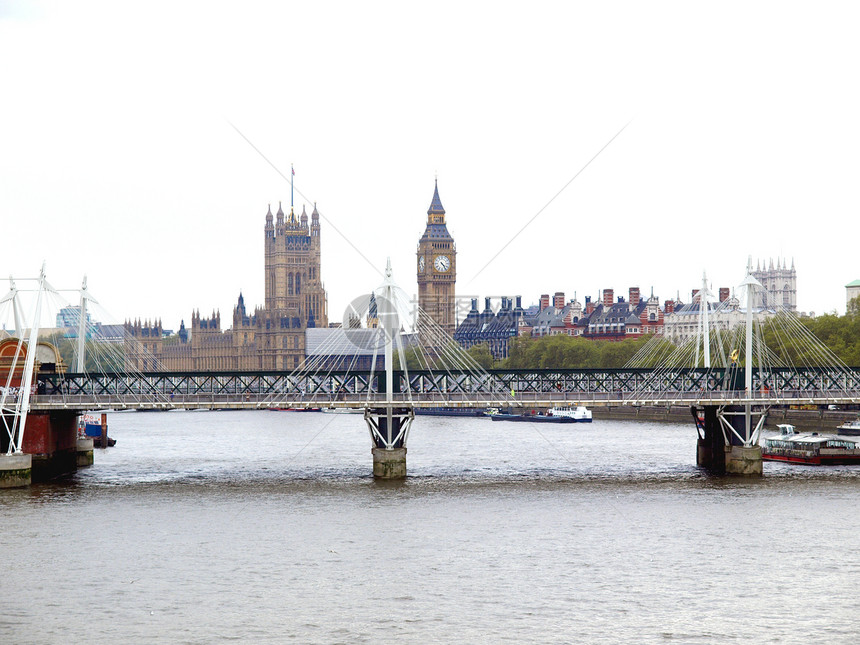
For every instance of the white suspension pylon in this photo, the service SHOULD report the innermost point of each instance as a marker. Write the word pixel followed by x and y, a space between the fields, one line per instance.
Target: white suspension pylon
pixel 23 406
pixel 395 417
pixel 704 307
pixel 86 297
pixel 751 284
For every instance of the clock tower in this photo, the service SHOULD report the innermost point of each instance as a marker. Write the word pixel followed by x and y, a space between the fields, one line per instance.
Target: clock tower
pixel 437 268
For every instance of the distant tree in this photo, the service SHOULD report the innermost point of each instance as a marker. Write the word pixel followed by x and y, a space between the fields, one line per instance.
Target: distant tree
pixel 481 354
pixel 570 352
pixel 839 334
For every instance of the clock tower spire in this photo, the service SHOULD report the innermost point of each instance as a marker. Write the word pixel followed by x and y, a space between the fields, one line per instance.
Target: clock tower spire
pixel 437 268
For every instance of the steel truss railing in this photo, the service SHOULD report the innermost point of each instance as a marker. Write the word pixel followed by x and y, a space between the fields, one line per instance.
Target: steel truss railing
pixel 431 389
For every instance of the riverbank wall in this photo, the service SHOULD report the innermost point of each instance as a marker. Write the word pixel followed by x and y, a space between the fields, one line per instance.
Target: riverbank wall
pixel 803 420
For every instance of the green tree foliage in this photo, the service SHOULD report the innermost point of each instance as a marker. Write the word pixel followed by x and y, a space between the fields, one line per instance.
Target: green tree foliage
pixel 100 357
pixel 480 353
pixel 570 352
pixel 840 334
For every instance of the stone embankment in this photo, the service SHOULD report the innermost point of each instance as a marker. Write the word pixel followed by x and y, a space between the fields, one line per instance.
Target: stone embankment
pixel 803 420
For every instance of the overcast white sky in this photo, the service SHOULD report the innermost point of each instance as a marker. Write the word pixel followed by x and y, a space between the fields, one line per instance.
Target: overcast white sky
pixel 118 158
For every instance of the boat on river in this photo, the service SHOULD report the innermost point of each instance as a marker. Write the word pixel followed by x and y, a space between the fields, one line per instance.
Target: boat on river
pixel 90 427
pixel 809 448
pixel 530 418
pixel 850 428
pixel 451 412
pixel 559 414
pixel 578 413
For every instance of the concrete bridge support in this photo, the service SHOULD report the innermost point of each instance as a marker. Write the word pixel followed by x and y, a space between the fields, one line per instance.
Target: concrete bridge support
pixel 50 446
pixel 742 457
pixel 16 470
pixel 720 450
pixel 389 427
pixel 85 453
pixel 389 463
pixel 711 446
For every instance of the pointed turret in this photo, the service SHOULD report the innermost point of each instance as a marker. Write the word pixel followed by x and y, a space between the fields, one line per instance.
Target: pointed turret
pixel 436 207
pixel 279 222
pixel 315 222
pixel 270 227
pixel 436 228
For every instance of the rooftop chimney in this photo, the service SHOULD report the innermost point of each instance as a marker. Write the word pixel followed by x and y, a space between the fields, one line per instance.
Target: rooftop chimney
pixel 608 298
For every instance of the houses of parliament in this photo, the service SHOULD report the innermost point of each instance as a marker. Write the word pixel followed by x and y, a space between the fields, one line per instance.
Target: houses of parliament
pixel 270 338
pixel 274 337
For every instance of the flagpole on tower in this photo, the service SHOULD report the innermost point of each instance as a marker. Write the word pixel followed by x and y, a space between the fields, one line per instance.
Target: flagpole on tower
pixel 292 176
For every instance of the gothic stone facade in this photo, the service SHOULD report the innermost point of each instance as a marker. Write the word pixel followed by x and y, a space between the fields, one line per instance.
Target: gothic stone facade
pixel 780 281
pixel 437 268
pixel 270 338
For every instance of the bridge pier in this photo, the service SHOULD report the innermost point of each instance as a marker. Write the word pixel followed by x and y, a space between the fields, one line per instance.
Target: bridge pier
pixel 742 458
pixel 711 445
pixel 16 470
pixel 389 463
pixel 722 451
pixel 84 452
pixel 389 427
pixel 50 445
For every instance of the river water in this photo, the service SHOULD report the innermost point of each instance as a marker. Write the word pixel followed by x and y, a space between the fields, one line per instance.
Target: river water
pixel 267 527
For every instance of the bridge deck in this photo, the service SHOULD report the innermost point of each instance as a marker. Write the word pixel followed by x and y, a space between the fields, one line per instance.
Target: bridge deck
pixel 432 400
pixel 424 389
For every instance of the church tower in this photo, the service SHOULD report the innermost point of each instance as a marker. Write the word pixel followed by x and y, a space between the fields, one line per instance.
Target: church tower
pixel 437 268
pixel 780 283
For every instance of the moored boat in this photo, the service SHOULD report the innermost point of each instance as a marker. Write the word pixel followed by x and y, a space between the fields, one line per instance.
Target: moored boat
pixel 90 427
pixel 850 428
pixel 451 412
pixel 579 413
pixel 809 448
pixel 531 418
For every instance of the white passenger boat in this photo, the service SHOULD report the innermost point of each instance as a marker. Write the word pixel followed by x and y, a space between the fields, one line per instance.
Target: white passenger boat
pixel 809 448
pixel 850 428
pixel 578 413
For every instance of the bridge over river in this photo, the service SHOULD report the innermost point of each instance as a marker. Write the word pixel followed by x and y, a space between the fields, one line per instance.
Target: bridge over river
pixel 543 388
pixel 730 378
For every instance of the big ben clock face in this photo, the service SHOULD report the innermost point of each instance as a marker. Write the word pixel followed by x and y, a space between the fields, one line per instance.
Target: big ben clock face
pixel 421 264
pixel 442 263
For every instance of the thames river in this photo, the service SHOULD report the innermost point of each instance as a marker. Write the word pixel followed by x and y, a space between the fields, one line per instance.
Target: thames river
pixel 267 527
